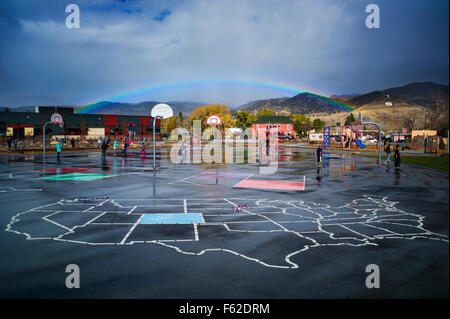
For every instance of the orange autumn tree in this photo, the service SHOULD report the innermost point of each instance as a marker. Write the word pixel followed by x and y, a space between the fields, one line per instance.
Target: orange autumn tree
pixel 169 124
pixel 203 112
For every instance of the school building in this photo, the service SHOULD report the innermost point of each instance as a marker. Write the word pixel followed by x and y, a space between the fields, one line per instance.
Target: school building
pixel 264 123
pixel 29 125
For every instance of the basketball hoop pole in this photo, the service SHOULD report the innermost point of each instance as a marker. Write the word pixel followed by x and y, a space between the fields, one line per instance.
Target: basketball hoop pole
pixel 154 145
pixel 217 163
pixel 43 138
pixel 43 135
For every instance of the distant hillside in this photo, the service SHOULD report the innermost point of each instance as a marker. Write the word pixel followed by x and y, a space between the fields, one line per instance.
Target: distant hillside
pixel 414 94
pixel 255 106
pixel 143 108
pixel 410 103
pixel 344 97
pixel 304 103
pixel 375 97
pixel 420 93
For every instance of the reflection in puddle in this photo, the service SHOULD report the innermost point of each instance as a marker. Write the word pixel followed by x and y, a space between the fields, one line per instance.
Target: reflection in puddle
pixel 397 176
pixel 21 158
pixel 338 165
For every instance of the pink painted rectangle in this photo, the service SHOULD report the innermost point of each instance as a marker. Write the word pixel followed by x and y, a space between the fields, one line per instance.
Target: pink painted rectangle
pixel 271 184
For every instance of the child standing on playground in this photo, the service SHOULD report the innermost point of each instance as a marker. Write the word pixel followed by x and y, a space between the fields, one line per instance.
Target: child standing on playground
pixel 397 157
pixel 104 148
pixel 124 148
pixel 142 149
pixel 319 154
pixel 58 149
pixel 388 153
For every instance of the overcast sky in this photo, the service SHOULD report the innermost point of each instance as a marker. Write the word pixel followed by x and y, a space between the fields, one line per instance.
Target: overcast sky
pixel 321 46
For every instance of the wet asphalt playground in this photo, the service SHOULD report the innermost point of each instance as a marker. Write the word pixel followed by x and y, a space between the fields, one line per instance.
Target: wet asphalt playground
pixel 303 232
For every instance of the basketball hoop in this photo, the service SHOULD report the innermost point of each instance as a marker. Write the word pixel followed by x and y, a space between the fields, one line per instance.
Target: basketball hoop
pixel 161 111
pixel 214 120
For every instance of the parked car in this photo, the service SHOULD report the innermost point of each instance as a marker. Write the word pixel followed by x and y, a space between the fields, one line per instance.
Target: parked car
pixel 370 141
pixel 285 137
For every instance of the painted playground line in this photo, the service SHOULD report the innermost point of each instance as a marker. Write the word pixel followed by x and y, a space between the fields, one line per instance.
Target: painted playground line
pixel 197 226
pixel 65 170
pixel 223 175
pixel 213 175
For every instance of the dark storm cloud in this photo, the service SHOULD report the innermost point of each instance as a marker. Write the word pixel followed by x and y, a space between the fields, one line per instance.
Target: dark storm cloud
pixel 321 45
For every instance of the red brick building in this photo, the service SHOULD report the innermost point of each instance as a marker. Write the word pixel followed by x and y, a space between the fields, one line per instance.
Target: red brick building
pixel 284 124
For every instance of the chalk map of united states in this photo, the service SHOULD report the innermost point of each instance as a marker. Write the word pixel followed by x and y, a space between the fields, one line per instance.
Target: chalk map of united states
pixel 267 232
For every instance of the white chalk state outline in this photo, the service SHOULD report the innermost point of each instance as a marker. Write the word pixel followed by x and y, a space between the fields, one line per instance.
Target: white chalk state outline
pixel 366 215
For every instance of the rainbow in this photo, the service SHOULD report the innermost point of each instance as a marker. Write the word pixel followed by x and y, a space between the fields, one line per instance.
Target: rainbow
pixel 278 86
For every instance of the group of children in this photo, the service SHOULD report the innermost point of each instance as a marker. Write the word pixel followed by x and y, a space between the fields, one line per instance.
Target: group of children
pixel 397 160
pixel 14 142
pixel 396 155
pixel 104 145
pixel 126 143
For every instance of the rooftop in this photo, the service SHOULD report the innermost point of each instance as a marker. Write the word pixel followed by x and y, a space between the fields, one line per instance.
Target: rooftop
pixel 274 119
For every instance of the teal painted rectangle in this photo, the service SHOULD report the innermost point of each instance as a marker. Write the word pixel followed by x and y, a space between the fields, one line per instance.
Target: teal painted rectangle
pixel 77 177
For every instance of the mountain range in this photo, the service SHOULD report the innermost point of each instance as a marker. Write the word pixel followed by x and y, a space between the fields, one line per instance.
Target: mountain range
pixel 143 108
pixel 417 93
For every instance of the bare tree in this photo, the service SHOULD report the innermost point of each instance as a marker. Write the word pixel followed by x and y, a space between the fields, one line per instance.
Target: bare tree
pixel 437 114
pixel 410 121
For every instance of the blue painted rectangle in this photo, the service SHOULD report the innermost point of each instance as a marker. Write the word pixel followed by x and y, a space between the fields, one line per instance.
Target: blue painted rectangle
pixel 189 218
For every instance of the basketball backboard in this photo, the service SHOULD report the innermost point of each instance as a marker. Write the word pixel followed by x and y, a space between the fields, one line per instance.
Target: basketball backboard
pixel 162 110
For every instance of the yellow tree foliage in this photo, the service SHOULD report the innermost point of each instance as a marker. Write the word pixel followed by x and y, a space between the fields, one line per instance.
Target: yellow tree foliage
pixel 169 124
pixel 221 110
pixel 302 124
